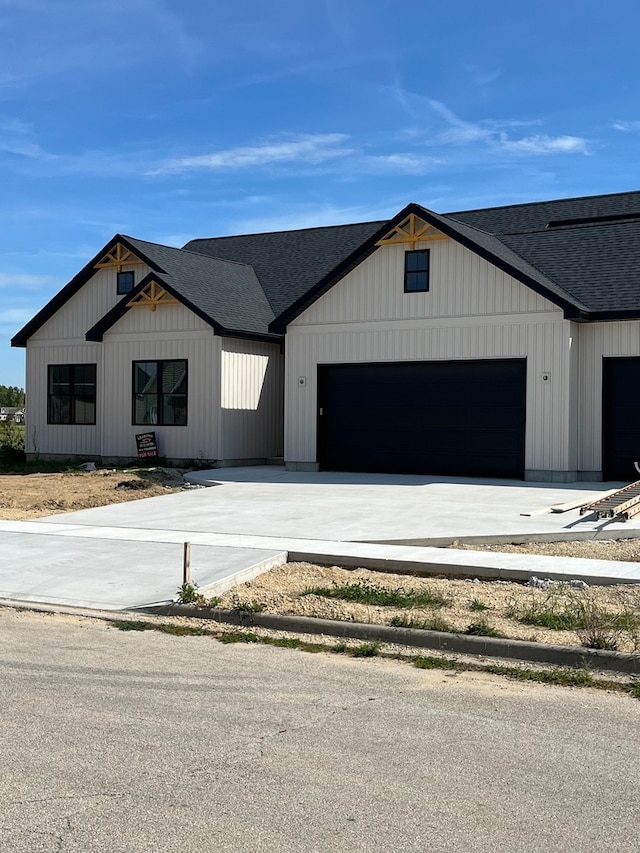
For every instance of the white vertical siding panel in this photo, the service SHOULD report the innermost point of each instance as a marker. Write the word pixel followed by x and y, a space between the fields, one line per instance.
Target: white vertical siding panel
pixel 461 284
pixel 252 375
pixel 166 318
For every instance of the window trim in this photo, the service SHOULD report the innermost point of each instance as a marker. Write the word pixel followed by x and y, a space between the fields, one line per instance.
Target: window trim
pixel 424 271
pixel 72 395
pixel 131 276
pixel 159 393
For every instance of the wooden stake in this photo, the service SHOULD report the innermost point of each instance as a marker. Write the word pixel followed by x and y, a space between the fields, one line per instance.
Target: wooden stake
pixel 186 563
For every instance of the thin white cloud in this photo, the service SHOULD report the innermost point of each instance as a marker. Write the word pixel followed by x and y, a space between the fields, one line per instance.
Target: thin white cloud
pixel 15 317
pixel 541 144
pixel 16 137
pixel 310 149
pixel 25 281
pixel 626 126
pixel 407 162
pixel 489 132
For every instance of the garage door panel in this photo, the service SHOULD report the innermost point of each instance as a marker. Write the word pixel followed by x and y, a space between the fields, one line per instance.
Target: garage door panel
pixel 620 418
pixel 463 418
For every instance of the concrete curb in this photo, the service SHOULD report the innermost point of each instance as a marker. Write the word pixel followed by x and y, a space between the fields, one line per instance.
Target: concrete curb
pixel 602 534
pixel 443 642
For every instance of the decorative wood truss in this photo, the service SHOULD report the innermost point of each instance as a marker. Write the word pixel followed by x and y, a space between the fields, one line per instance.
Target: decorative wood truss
pixel 152 295
pixel 117 257
pixel 411 230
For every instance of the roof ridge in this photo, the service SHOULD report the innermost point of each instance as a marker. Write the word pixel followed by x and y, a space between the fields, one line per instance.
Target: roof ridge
pixel 188 252
pixel 543 201
pixel 287 231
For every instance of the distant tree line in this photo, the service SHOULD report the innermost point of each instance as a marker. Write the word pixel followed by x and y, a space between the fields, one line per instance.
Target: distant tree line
pixel 11 395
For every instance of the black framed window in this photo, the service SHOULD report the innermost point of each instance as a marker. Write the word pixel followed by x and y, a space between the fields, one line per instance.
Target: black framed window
pixel 125 282
pixel 71 394
pixel 160 392
pixel 416 271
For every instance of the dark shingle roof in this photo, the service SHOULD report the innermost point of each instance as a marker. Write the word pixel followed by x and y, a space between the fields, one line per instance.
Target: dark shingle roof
pixel 534 216
pixel 226 292
pixel 257 283
pixel 589 247
pixel 289 263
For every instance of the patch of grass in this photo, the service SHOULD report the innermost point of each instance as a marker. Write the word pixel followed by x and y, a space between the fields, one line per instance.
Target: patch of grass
pixel 178 630
pixel 432 662
pixel 133 625
pixel 478 606
pixel 563 677
pixel 482 629
pixel 239 637
pixel 634 689
pixel 435 623
pixel 364 592
pixel 364 650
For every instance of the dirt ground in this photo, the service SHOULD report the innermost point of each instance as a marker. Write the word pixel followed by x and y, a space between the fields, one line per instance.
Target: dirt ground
pixel 281 591
pixel 24 496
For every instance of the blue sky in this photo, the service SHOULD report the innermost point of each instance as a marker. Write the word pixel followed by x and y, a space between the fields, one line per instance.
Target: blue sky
pixel 170 120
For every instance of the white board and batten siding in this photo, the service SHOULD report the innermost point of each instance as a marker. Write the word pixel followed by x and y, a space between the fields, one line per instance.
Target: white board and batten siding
pixel 252 377
pixel 472 311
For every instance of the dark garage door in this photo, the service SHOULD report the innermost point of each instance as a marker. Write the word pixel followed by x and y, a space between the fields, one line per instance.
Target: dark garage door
pixel 464 418
pixel 620 418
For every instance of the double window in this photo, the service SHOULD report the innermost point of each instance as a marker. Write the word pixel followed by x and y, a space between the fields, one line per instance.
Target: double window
pixel 160 392
pixel 71 394
pixel 416 271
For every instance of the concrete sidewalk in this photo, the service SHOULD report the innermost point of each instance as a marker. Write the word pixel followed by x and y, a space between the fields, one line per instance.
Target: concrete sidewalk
pixel 128 555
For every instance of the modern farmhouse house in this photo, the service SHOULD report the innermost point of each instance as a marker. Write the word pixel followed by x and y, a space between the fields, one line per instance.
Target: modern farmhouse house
pixel 500 342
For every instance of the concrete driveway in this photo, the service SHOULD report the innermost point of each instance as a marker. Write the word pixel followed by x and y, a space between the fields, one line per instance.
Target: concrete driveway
pixel 250 518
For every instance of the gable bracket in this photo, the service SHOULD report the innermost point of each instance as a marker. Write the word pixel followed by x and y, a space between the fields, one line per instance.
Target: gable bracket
pixel 152 295
pixel 117 257
pixel 411 230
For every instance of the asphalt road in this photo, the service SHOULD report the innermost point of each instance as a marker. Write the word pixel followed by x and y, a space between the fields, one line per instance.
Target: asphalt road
pixel 141 742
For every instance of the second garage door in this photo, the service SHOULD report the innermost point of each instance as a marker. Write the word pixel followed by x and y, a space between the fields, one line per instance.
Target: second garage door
pixel 464 418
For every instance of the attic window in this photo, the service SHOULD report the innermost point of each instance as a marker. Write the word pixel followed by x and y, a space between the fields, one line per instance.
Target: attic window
pixel 416 271
pixel 125 282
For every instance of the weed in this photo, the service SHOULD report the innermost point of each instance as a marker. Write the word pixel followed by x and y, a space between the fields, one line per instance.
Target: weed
pixel 634 689
pixel 364 592
pixel 365 650
pixel 435 623
pixel 339 648
pixel 478 606
pixel 188 594
pixel 482 629
pixel 240 606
